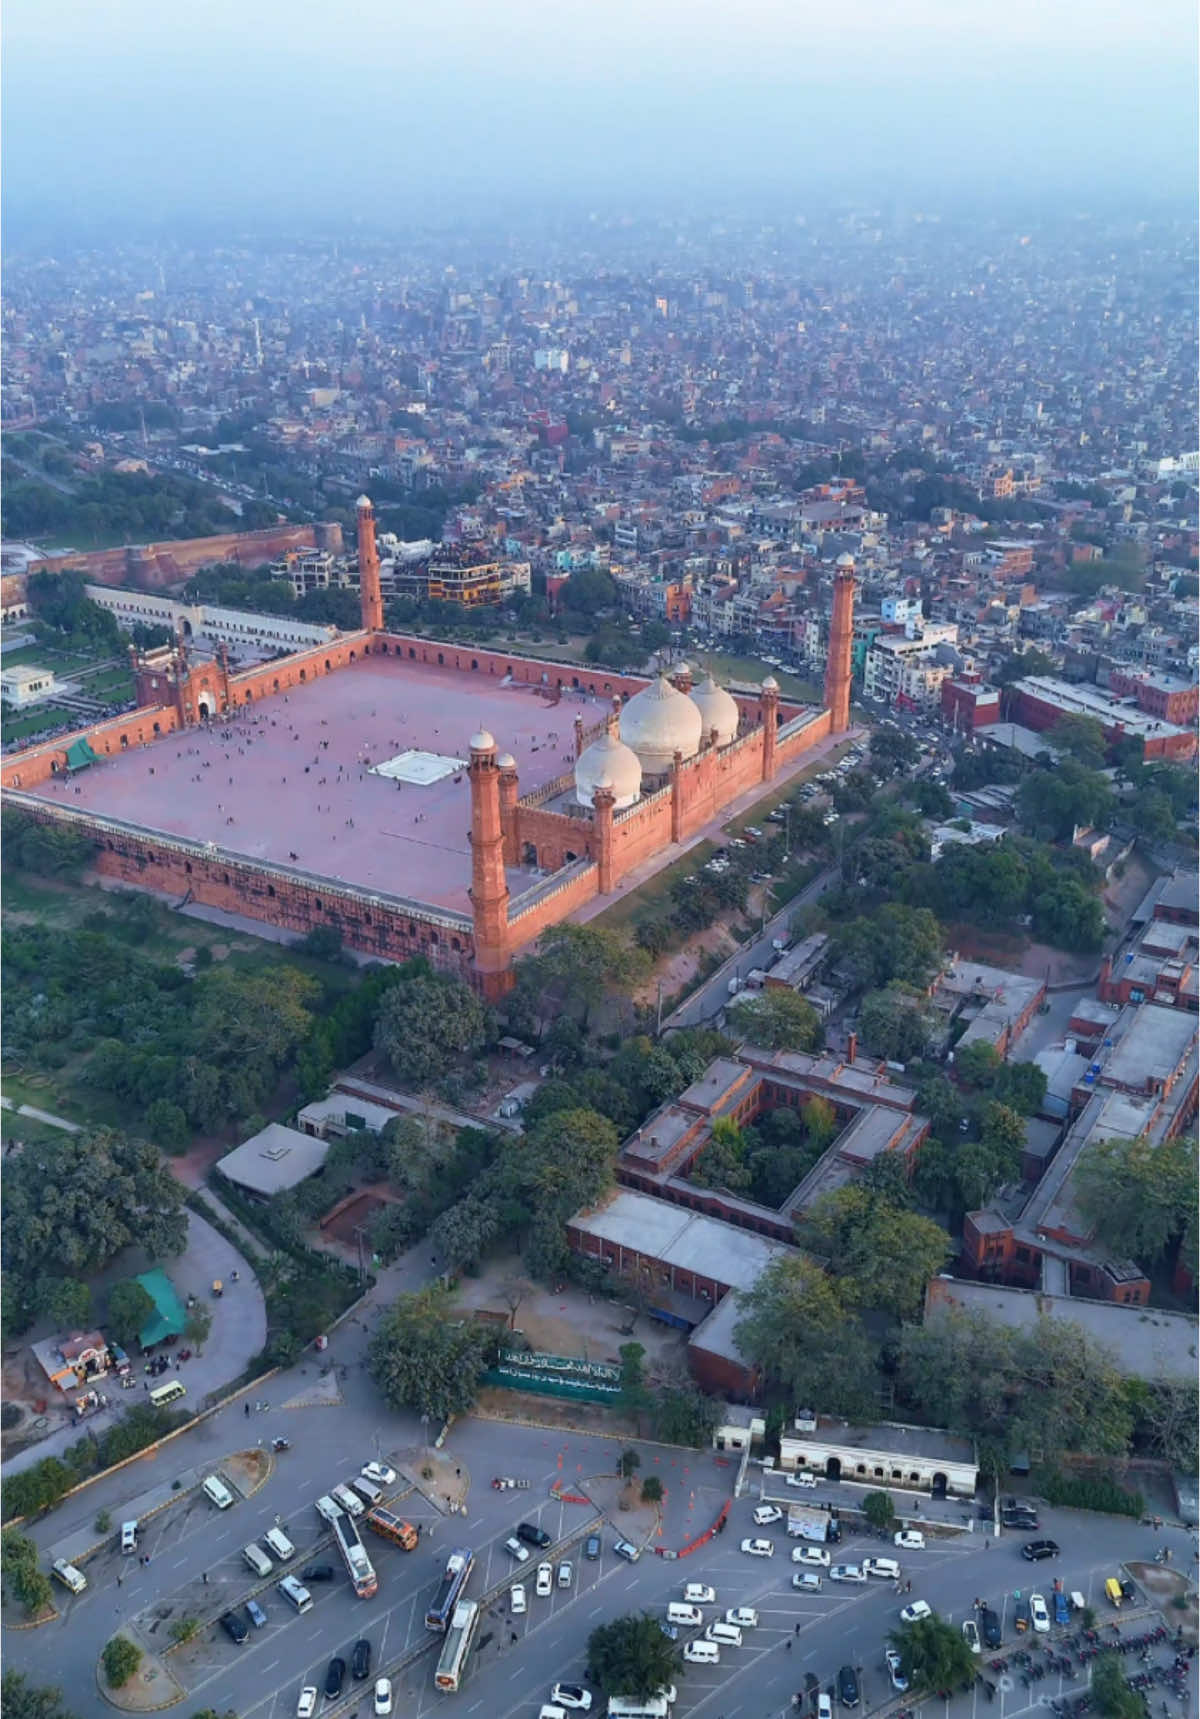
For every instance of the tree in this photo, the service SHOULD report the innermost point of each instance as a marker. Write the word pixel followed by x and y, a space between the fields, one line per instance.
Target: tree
pixel 1083 738
pixel 978 1064
pixel 933 1654
pixel 896 1022
pixel 1021 1086
pixel 631 1656
pixel 426 1023
pixel 1137 1196
pixel 422 1359
pixel 880 1511
pixel 723 1162
pixel 120 1660
pixel 199 1324
pixel 635 1397
pixel 684 1415
pixel 796 1327
pixel 1046 1389
pixel 513 1291
pixel 73 1203
pixel 65 1301
pixel 1052 803
pixel 628 1463
pixel 130 1307
pixel 167 1125
pixel 652 1490
pixel 21 1699
pixel 1002 1129
pixel 882 1255
pixel 184 1629
pixel 781 1020
pixel 892 750
pixel 1112 1696
pixel 896 942
pixel 1153 815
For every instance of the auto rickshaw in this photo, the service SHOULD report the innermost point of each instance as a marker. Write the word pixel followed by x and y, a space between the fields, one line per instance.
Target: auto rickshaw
pixel 1112 1589
pixel 218 1288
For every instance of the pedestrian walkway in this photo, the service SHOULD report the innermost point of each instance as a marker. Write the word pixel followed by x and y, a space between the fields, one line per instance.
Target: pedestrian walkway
pixel 36 1115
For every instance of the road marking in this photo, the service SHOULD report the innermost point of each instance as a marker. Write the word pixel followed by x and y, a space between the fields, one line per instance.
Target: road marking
pixel 596 1612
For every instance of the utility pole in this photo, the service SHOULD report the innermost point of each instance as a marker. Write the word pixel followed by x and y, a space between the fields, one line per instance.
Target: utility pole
pixel 658 1028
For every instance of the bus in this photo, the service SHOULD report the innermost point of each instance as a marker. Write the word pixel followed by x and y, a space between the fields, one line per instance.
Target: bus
pixel 459 1636
pixel 167 1394
pixel 626 1707
pixel 392 1527
pixel 458 1569
pixel 354 1556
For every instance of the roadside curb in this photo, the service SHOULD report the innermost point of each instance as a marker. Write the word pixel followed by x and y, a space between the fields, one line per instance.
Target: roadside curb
pixel 36 1623
pixel 110 1695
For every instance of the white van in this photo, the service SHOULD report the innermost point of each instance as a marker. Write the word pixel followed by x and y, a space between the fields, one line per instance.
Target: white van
pixel 691 1616
pixel 549 1711
pixel 278 1542
pixel 367 1489
pixel 729 1635
pixel 702 1653
pixel 128 1538
pixel 217 1493
pixel 350 1502
pixel 69 1576
pixel 328 1509
pixel 257 1559
pixel 296 1592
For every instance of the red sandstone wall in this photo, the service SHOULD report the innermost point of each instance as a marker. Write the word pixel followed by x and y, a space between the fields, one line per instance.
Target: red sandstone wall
pixel 153 566
pixel 39 763
pixel 555 906
pixel 176 869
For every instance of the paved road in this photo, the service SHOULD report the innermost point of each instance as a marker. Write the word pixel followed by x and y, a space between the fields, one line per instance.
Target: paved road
pixel 703 1005
pixel 837 1626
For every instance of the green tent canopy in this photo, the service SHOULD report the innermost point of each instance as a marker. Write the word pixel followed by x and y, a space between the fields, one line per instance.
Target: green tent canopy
pixel 80 755
pixel 168 1318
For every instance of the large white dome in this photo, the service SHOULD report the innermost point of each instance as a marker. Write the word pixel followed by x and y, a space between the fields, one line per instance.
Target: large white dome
pixel 608 763
pixel 660 721
pixel 717 710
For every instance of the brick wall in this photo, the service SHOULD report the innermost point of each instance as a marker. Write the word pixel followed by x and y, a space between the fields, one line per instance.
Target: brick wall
pixel 155 566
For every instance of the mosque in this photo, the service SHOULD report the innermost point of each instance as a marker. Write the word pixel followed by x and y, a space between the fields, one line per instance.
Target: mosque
pixel 664 759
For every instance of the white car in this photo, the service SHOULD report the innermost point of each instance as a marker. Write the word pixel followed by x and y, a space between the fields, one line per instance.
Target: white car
pixel 766 1514
pixel 807 1581
pixel 811 1555
pixel 572 1695
pixel 909 1540
pixel 702 1653
pixel 824 1706
pixel 802 1478
pixel 913 1613
pixel 970 1634
pixel 1039 1614
pixel 517 1600
pixel 307 1704
pixel 383 1697
pixel 847 1573
pixel 892 1660
pixel 515 1550
pixel 566 1573
pixel 888 1568
pixel 382 1475
pixel 699 1593
pixel 745 1617
pixel 544 1582
pixel 759 1548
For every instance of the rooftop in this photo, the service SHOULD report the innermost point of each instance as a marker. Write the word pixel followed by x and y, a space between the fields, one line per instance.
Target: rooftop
pixel 274 1160
pixel 1147 1342
pixel 687 1240
pixel 893 1436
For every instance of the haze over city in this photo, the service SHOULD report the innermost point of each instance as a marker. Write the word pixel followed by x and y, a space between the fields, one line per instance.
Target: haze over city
pixel 136 112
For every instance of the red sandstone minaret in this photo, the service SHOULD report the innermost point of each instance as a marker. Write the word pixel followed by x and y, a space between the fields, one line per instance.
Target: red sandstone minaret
pixel 489 886
pixel 369 589
pixel 839 666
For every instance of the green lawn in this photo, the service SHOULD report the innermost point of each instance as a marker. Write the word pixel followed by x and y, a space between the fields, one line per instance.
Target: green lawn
pixel 632 905
pixel 44 717
pixel 724 667
pixel 114 685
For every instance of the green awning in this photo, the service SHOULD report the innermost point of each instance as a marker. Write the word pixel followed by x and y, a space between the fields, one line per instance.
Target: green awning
pixel 168 1318
pixel 80 755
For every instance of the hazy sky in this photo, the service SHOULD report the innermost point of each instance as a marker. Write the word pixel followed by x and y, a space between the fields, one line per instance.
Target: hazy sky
pixel 154 107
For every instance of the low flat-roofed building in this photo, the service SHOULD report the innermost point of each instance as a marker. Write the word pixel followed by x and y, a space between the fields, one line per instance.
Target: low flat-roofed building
pixel 274 1160
pixel 1146 1342
pixel 998 1005
pixel 796 968
pixel 69 1362
pixel 922 1459
pixel 341 1113
pixel 23 685
pixel 738 1427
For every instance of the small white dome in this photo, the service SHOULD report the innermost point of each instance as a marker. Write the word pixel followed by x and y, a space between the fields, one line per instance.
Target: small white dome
pixel 770 684
pixel 608 763
pixel 660 721
pixel 482 742
pixel 506 761
pixel 845 561
pixel 717 710
pixel 363 501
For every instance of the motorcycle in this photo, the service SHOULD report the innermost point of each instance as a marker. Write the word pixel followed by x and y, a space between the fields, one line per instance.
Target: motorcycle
pixel 281 1444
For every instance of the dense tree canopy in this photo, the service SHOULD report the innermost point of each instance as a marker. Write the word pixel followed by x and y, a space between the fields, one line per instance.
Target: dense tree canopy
pixel 882 1255
pixel 21 1699
pixel 423 1359
pixel 933 1654
pixel 779 1020
pixel 896 942
pixel 896 1023
pixel 1138 1197
pixel 631 1656
pixel 796 1326
pixel 1051 803
pixel 425 1024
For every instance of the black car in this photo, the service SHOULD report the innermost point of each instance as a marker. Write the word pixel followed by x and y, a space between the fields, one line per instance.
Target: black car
pixel 1019 1519
pixel 334 1676
pixel 360 1660
pixel 532 1534
pixel 1035 1550
pixel 989 1625
pixel 848 1686
pixel 591 1546
pixel 234 1628
pixel 317 1573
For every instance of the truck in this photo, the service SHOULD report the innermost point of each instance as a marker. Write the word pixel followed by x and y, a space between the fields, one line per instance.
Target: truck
pixel 808 1522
